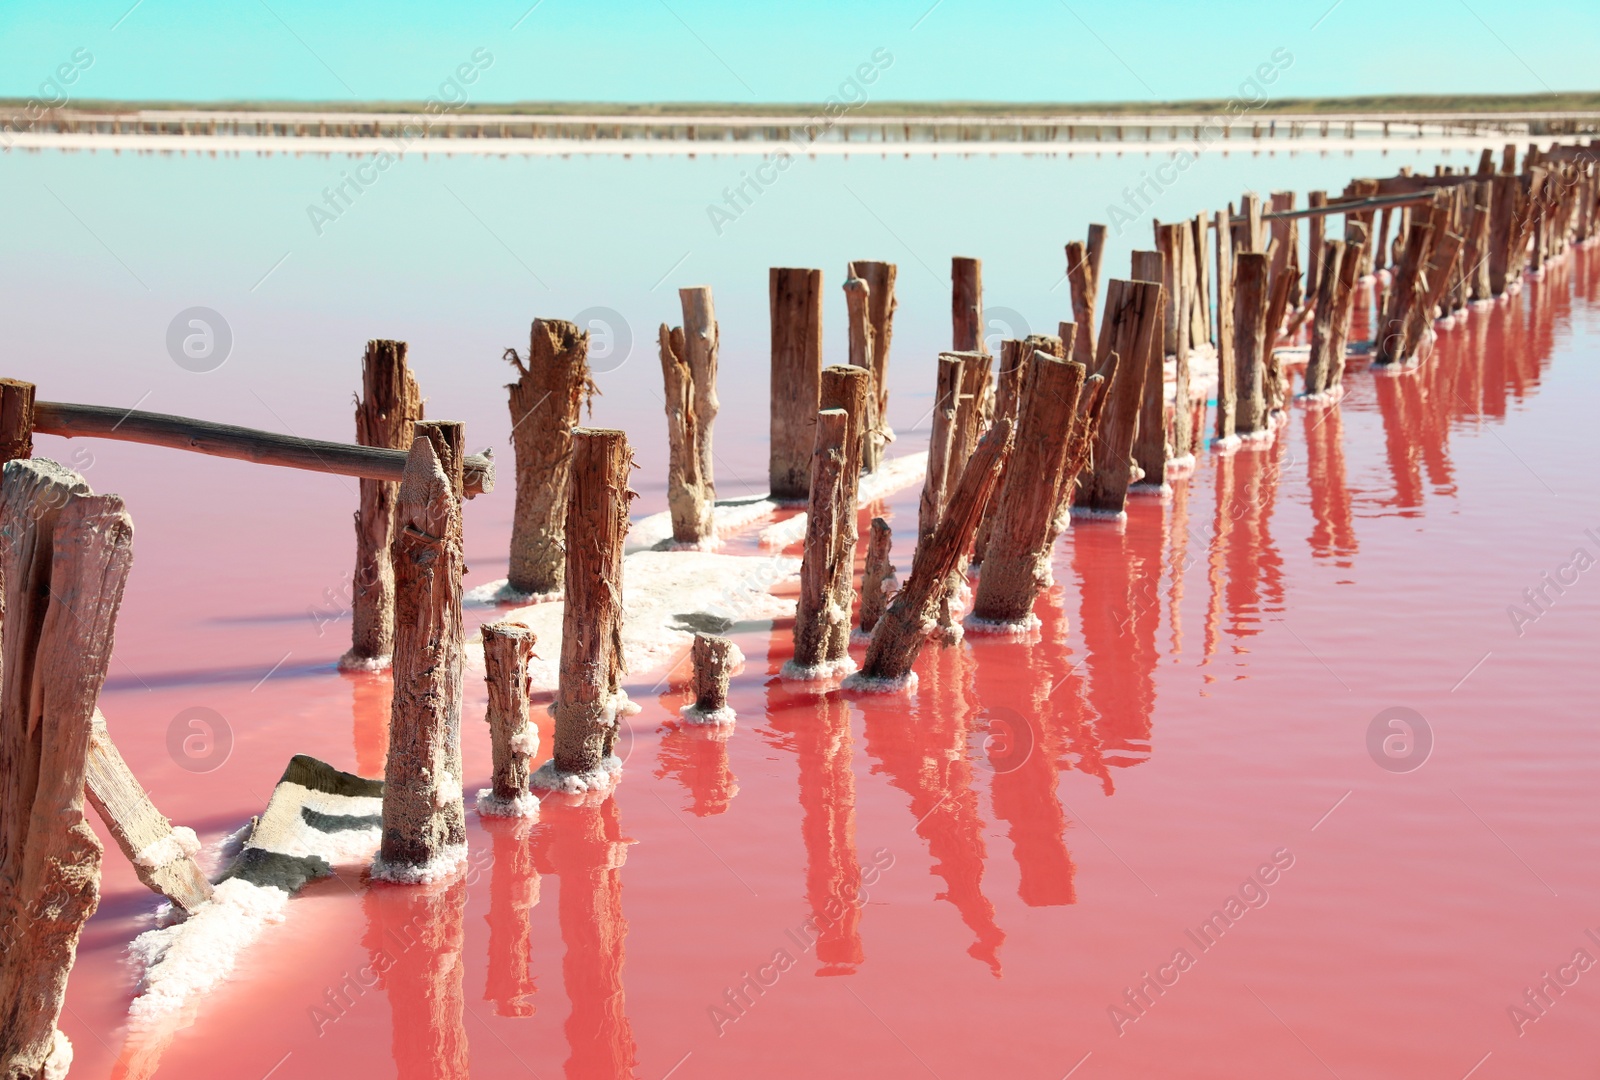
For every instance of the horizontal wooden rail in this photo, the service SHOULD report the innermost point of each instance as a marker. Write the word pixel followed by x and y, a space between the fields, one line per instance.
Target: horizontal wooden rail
pixel 1348 206
pixel 245 444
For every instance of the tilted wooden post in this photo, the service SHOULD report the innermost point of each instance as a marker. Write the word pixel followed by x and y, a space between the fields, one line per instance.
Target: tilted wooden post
pixel 1227 392
pixel 966 304
pixel 1344 299
pixel 390 404
pixel 1250 342
pixel 590 701
pixel 1126 332
pixel 1009 378
pixel 714 659
pixel 877 575
pixel 1016 567
pixel 819 620
pixel 65 555
pixel 16 419
pixel 689 370
pixel 507 648
pixel 795 302
pixel 546 401
pixel 881 304
pixel 424 826
pixel 898 638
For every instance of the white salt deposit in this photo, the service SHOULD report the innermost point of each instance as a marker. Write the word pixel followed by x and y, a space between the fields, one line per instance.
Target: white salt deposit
pixel 498 592
pixel 693 714
pixel 526 741
pixel 524 805
pixel 895 475
pixel 1004 628
pixel 177 844
pixel 821 672
pixel 59 1063
pixel 1084 513
pixel 446 791
pixel 601 779
pixel 727 517
pixel 442 867
pixel 866 684
pixel 348 662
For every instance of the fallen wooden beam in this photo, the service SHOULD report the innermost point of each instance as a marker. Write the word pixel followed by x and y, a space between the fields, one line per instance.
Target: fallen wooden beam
pixel 241 443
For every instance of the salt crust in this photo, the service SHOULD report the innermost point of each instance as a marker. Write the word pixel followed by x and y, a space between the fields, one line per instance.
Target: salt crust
pixel 499 592
pixel 446 791
pixel 601 779
pixel 524 805
pixel 1084 513
pixel 1005 628
pixel 526 741
pixel 1150 491
pixel 59 1063
pixel 349 662
pixel 693 714
pixel 866 684
pixel 895 475
pixel 828 669
pixel 179 843
pixel 442 867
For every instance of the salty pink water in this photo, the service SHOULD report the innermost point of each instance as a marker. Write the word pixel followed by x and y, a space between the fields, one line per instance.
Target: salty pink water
pixel 1197 699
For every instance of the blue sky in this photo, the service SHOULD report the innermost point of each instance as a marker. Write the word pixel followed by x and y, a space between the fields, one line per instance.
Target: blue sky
pixel 714 50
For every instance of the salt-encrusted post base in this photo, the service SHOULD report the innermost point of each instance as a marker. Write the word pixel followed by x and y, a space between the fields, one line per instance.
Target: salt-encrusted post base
pixel 507 648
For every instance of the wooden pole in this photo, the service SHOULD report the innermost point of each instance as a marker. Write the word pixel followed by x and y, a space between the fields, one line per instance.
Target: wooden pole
pixel 818 620
pixel 1179 449
pixel 1203 330
pixel 1319 226
pixel 849 388
pixel 1083 276
pixel 689 374
pixel 714 659
pixel 1008 395
pixel 1344 307
pixel 1321 361
pixel 1016 567
pixel 1150 438
pixel 898 638
pixel 1126 331
pixel 546 402
pixel 391 403
pixel 16 419
pixel 64 570
pixel 966 304
pixel 242 444
pixel 877 575
pixel 1227 392
pixel 880 280
pixel 937 479
pixel 795 302
pixel 858 306
pixel 513 737
pixel 1250 342
pixel 590 701
pixel 424 826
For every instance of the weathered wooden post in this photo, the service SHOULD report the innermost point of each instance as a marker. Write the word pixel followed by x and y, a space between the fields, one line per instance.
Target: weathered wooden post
pixel 424 825
pixel 1007 399
pixel 1250 343
pixel 714 660
pixel 689 371
pixel 819 620
pixel 390 404
pixel 966 304
pixel 16 419
pixel 546 402
pixel 1226 436
pixel 937 479
pixel 1150 439
pixel 849 388
pixel 64 561
pixel 1344 299
pixel 1083 277
pixel 898 638
pixel 1318 228
pixel 858 308
pixel 795 300
pixel 590 701
pixel 1017 564
pixel 877 575
pixel 1126 332
pixel 514 740
pixel 1329 264
pixel 881 304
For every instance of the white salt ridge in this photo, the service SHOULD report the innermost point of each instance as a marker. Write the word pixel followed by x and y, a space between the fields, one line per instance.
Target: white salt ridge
pixel 177 844
pixel 820 672
pixel 893 476
pixel 1084 513
pixel 499 592
pixel 442 867
pixel 1225 446
pixel 657 586
pixel 1180 466
pixel 523 805
pixel 1004 628
pixel 693 714
pixel 1331 396
pixel 365 663
pixel 179 963
pixel 600 779
pixel 526 741
pixel 865 684
pixel 727 517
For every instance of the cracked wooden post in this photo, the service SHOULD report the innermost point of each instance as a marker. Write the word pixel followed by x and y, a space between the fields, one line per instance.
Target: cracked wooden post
pixel 858 306
pixel 16 419
pixel 1318 227
pixel 1125 332
pixel 514 739
pixel 1017 566
pixel 795 303
pixel 1442 258
pixel 689 372
pixel 1083 276
pixel 1080 446
pixel 1227 392
pixel 424 825
pixel 1275 383
pixel 936 479
pixel 1203 331
pixel 162 857
pixel 65 558
pixel 546 402
pixel 898 638
pixel 849 388
pixel 1250 343
pixel 1390 337
pixel 1007 398
pixel 1321 361
pixel 714 660
pixel 877 575
pixel 390 404
pixel 819 620
pixel 1180 443
pixel 1150 440
pixel 879 278
pixel 966 304
pixel 1344 299
pixel 590 701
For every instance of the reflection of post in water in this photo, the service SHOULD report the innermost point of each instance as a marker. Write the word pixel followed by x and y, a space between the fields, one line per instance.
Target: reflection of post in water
pixel 925 755
pixel 1063 712
pixel 1120 572
pixel 1216 562
pixel 414 939
pixel 583 846
pixel 1430 398
pixel 1254 565
pixel 372 697
pixel 1333 532
pixel 1020 745
pixel 1399 445
pixel 513 894
pixel 696 755
pixel 1178 561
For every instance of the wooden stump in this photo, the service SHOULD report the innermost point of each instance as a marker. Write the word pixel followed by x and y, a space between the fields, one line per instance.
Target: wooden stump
pixel 590 702
pixel 390 405
pixel 1250 342
pixel 1181 438
pixel 546 402
pixel 848 388
pixel 877 575
pixel 880 280
pixel 1227 392
pixel 714 660
pixel 966 304
pixel 689 373
pixel 65 558
pixel 898 638
pixel 514 739
pixel 1016 567
pixel 795 301
pixel 1083 277
pixel 858 304
pixel 424 827
pixel 16 419
pixel 819 620
pixel 1127 332
pixel 1321 361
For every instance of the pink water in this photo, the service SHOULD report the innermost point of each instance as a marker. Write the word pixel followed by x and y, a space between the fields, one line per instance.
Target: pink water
pixel 995 860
